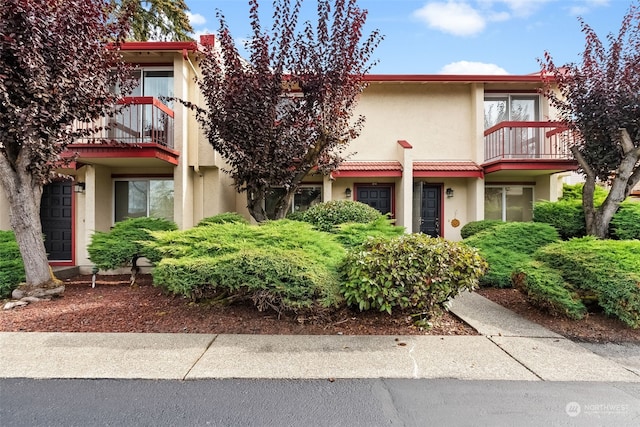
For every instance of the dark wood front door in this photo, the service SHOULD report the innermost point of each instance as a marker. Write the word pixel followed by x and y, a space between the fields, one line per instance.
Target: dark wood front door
pixel 430 210
pixel 376 196
pixel 55 215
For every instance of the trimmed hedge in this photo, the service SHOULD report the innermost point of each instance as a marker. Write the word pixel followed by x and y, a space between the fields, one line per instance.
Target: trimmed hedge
pixel 610 269
pixel 354 234
pixel 474 227
pixel 566 216
pixel 123 245
pixel 325 216
pixel 625 224
pixel 413 271
pixel 508 246
pixel 223 218
pixel 282 265
pixel 11 265
pixel 545 288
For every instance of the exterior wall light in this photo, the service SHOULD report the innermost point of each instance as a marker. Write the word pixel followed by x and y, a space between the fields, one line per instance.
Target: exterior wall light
pixel 78 187
pixel 347 193
pixel 449 192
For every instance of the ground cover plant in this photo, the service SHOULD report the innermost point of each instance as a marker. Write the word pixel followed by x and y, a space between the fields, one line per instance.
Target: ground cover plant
pixel 413 271
pixel 283 265
pixel 508 246
pixel 122 246
pixel 11 266
pixel 604 271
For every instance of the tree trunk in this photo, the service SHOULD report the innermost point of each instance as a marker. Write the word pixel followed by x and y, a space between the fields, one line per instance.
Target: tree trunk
pixel 255 204
pixel 24 213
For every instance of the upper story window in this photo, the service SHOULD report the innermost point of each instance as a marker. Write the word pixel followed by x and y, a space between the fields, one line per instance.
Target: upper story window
pixel 514 108
pixel 154 82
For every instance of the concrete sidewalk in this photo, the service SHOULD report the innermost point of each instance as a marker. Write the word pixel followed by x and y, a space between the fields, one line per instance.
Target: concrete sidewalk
pixel 510 348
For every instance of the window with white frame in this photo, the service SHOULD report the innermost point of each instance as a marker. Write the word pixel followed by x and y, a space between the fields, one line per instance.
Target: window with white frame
pixel 142 197
pixel 508 203
pixel 306 196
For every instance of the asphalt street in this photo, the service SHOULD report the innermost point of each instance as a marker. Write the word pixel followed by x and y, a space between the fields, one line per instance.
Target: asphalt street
pixel 340 402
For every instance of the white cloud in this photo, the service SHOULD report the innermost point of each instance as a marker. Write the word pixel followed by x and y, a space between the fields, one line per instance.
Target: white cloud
pixel 453 17
pixel 196 19
pixel 469 67
pixel 587 6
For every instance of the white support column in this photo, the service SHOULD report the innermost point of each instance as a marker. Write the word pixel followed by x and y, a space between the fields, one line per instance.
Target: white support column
pixel 404 210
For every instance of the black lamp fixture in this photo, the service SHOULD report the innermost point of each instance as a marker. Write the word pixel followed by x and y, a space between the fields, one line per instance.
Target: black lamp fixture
pixel 449 192
pixel 78 187
pixel 347 193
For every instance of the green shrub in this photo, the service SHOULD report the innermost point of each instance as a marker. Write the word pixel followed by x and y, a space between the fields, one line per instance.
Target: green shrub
pixel 223 218
pixel 354 234
pixel 122 245
pixel 11 265
pixel 545 288
pixel 413 271
pixel 325 216
pixel 574 192
pixel 473 227
pixel 610 269
pixel 566 216
pixel 284 265
pixel 625 224
pixel 508 246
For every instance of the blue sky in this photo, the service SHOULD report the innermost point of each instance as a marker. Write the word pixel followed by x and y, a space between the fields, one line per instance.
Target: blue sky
pixel 453 36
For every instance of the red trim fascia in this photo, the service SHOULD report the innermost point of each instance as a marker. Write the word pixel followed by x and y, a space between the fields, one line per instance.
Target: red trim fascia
pixel 138 151
pixel 404 144
pixel 448 174
pixel 499 183
pixel 368 174
pixel 529 78
pixel 176 46
pixel 551 165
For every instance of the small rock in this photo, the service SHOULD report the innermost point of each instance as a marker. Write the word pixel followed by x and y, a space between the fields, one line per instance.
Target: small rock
pixel 14 304
pixel 17 294
pixel 31 299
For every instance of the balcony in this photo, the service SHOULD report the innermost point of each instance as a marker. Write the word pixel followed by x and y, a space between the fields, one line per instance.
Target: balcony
pixel 142 128
pixel 528 145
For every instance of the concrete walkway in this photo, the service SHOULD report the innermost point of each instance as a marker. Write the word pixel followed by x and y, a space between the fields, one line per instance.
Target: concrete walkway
pixel 510 348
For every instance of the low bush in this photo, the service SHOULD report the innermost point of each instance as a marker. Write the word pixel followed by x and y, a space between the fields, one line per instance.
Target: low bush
pixel 545 288
pixel 473 227
pixel 609 269
pixel 283 265
pixel 413 271
pixel 123 244
pixel 625 224
pixel 11 265
pixel 354 234
pixel 566 216
pixel 223 218
pixel 508 246
pixel 574 192
pixel 325 216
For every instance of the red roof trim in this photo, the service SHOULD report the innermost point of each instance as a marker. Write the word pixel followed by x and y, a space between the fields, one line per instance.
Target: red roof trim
pixel 530 78
pixel 368 169
pixel 175 46
pixel 103 151
pixel 551 165
pixel 460 169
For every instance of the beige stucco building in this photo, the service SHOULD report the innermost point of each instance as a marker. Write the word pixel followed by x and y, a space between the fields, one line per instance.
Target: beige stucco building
pixel 436 152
